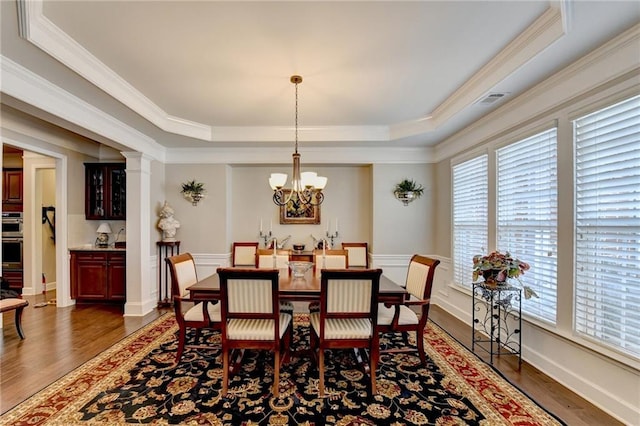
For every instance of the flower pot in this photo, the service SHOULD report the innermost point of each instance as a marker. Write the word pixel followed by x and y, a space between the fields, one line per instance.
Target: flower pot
pixel 491 277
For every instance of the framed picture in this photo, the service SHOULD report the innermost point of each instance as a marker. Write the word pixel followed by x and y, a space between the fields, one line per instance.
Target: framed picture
pixel 293 213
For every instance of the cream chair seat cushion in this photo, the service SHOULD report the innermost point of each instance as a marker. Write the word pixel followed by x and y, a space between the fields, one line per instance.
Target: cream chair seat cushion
pixel 255 329
pixel 385 315
pixel 343 328
pixel 195 312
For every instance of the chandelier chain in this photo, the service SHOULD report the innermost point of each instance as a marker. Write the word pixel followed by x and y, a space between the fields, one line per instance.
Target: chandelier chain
pixel 296 117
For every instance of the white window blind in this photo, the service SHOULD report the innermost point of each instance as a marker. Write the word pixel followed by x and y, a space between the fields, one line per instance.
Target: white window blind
pixel 470 192
pixel 607 269
pixel 527 215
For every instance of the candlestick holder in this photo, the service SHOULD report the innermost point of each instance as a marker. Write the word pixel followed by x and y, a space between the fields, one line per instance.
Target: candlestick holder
pixel 331 237
pixel 266 237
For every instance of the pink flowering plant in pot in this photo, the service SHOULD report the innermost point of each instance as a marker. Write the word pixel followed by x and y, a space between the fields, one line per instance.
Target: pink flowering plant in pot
pixel 498 267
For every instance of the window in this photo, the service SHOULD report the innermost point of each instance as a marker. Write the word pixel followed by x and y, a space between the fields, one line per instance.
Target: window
pixel 527 211
pixel 470 192
pixel 607 215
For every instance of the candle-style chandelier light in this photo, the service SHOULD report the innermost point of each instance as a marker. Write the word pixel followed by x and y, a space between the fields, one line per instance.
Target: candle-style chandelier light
pixel 306 188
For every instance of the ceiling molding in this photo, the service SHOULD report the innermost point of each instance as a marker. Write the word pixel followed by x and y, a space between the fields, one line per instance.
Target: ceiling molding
pixel 306 134
pixel 28 87
pixel 537 37
pixel 40 31
pixel 565 85
pixel 43 33
pixel 260 155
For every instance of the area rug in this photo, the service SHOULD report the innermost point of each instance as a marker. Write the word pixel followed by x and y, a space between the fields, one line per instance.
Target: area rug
pixel 137 382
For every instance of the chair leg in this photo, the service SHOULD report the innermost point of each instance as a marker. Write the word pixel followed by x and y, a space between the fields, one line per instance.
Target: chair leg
pixel 374 354
pixel 420 345
pixel 276 374
pixel 18 321
pixel 225 371
pixel 182 335
pixel 321 371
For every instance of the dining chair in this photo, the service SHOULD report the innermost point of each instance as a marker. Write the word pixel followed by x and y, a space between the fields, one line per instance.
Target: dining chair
pixel 347 317
pixel 189 313
pixel 358 254
pixel 244 254
pixel 264 258
pixel 251 318
pixel 329 259
pixel 413 313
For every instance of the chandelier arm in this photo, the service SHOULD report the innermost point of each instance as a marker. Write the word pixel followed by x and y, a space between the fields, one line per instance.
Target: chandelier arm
pixel 279 197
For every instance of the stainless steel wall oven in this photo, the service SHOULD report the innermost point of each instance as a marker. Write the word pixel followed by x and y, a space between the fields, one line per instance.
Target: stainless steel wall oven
pixel 12 241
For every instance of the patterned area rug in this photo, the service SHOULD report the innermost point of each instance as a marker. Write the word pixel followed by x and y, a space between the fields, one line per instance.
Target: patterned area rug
pixel 136 382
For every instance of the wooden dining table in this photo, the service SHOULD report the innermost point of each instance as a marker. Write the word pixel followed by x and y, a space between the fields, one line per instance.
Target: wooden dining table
pixel 292 288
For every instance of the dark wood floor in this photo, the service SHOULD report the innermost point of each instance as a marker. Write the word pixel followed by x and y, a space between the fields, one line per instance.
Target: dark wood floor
pixel 59 340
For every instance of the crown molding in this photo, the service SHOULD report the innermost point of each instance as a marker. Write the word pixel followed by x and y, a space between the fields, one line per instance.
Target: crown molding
pixel 547 29
pixel 40 31
pixel 43 33
pixel 612 60
pixel 307 134
pixel 29 87
pixel 281 155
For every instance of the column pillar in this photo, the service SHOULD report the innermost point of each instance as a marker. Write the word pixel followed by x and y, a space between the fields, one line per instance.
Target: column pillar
pixel 140 284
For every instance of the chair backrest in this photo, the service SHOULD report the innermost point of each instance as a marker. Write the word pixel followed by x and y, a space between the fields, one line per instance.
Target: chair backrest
pixel 182 268
pixel 420 276
pixel 329 259
pixel 244 254
pixel 264 258
pixel 350 293
pixel 358 254
pixel 249 294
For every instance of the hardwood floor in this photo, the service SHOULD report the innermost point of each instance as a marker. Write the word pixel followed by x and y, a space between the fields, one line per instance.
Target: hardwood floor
pixel 59 340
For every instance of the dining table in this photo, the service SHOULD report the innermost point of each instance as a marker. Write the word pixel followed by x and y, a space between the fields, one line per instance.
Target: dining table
pixel 299 289
pixel 292 288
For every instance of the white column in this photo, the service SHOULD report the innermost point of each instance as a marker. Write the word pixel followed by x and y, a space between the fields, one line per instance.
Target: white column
pixel 140 283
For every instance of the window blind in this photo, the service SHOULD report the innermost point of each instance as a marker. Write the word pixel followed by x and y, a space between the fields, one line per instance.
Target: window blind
pixel 527 215
pixel 607 215
pixel 470 192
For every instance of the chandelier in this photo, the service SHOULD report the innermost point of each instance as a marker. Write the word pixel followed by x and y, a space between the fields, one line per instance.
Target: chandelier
pixel 306 188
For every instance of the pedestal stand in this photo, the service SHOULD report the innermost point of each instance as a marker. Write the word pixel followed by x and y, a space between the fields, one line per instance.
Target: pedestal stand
pixel 497 320
pixel 165 249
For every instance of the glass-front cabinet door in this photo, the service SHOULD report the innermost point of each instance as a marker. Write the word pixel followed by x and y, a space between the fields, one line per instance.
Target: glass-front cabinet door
pixel 105 191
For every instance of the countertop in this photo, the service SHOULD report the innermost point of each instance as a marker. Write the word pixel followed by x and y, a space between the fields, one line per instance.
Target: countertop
pixel 91 247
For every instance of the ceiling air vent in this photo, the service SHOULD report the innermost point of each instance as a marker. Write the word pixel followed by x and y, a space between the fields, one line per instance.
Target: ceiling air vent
pixel 491 98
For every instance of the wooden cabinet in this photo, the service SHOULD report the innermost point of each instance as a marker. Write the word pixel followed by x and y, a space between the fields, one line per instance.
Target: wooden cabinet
pixel 105 191
pixel 12 190
pixel 304 256
pixel 98 275
pixel 14 277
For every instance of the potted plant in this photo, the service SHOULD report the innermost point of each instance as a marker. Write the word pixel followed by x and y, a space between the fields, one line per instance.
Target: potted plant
pixel 496 268
pixel 193 191
pixel 408 190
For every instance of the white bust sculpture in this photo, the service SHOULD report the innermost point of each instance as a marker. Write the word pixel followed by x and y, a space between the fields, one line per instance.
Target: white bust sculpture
pixel 167 223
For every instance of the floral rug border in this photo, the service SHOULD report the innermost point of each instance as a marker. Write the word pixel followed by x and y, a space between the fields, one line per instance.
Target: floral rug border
pixel 499 401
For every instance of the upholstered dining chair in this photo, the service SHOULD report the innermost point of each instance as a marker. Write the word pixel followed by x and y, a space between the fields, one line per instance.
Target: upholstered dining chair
pixel 189 313
pixel 412 314
pixel 329 259
pixel 358 254
pixel 347 317
pixel 264 258
pixel 251 318
pixel 244 254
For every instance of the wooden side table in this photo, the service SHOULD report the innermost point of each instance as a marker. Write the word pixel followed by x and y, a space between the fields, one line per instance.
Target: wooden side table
pixel 165 249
